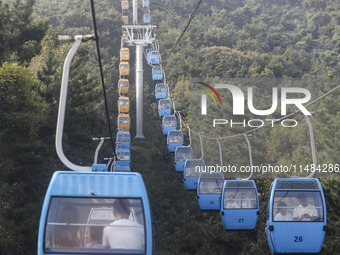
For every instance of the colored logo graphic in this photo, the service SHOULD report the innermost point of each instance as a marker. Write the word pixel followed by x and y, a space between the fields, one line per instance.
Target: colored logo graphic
pixel 204 97
pixel 209 93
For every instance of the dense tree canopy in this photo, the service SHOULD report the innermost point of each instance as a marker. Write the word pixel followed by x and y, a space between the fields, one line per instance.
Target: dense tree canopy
pixel 227 39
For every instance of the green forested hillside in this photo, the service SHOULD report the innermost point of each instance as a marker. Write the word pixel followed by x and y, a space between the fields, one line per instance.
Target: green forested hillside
pixel 226 39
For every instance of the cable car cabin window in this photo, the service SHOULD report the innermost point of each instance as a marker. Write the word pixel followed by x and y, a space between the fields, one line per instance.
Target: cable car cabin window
pixel 161 87
pixel 125 52
pixel 175 138
pixel 183 155
pixel 240 199
pixel 124 120
pixel 165 104
pixel 298 206
pixel 123 138
pixel 194 170
pixel 95 225
pixel 211 186
pixel 123 156
pixel 123 84
pixel 157 70
pixel 170 122
pixel 123 102
pixel 124 66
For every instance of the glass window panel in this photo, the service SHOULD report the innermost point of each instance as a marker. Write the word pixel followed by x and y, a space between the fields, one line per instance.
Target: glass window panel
pixel 164 104
pixel 123 102
pixel 124 120
pixel 298 206
pixel 123 84
pixel 183 154
pixel 239 199
pixel 161 88
pixel 123 156
pixel 123 138
pixel 211 185
pixel 100 225
pixel 193 169
pixel 175 138
pixel 169 122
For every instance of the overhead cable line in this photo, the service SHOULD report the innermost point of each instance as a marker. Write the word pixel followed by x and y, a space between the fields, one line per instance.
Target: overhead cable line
pixel 94 25
pixel 186 27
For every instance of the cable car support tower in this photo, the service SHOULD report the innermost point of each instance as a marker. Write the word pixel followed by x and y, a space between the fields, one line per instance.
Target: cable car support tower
pixel 140 36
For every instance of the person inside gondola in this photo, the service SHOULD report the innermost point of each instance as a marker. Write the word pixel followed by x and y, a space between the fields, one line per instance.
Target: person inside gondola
pixel 204 189
pixel 96 234
pixel 245 201
pixel 123 233
pixel 304 211
pixel 180 156
pixel 194 171
pixel 68 234
pixel 283 214
pixel 232 203
pixel 217 190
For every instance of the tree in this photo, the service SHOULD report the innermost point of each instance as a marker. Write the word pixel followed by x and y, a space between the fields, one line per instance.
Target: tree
pixel 20 32
pixel 23 111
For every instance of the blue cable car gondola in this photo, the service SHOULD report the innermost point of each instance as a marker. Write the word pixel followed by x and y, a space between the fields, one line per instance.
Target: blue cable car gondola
pixel 192 170
pixel 154 57
pixel 209 190
pixel 239 204
pixel 119 168
pixel 164 107
pixel 161 90
pixel 169 123
pixel 123 139
pixel 182 153
pixel 147 18
pixel 157 73
pixel 123 157
pixel 175 138
pixel 146 3
pixel 86 212
pixel 296 216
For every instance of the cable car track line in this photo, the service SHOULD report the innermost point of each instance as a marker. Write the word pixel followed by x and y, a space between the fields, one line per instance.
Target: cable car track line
pixel 186 27
pixel 94 24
